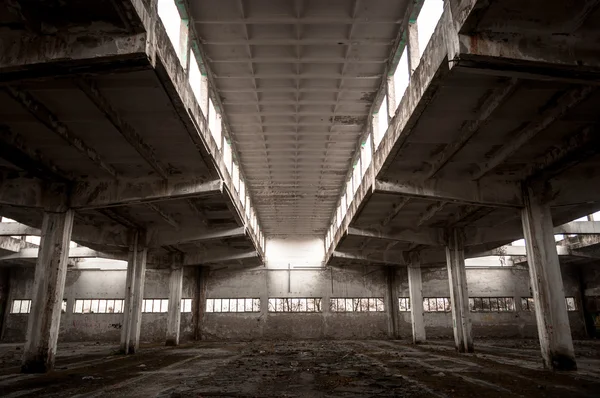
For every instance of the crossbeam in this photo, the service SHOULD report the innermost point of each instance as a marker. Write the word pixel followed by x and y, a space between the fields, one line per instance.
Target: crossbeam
pixel 100 194
pixel 75 252
pixel 422 236
pixel 192 235
pixel 505 194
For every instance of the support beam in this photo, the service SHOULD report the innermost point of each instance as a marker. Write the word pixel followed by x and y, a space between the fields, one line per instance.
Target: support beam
pixel 135 140
pixel 48 288
pixel 18 151
pixel 579 228
pixel 392 302
pixel 191 235
pixel 48 119
pixel 174 314
pixel 100 194
pixel 17 229
pixel 396 209
pixel 424 236
pixel 459 295
pixel 469 129
pixel 169 219
pixel 557 59
pixel 21 59
pixel 566 102
pixel 76 252
pixel 203 259
pixel 554 330
pixel 415 288
pixel 430 212
pixel 503 194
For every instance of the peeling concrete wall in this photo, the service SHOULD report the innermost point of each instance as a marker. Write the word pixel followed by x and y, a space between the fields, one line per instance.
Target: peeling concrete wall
pixel 99 284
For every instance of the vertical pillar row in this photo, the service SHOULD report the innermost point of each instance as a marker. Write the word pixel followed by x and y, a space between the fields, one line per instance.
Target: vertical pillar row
pixel 459 295
pixel 554 330
pixel 48 288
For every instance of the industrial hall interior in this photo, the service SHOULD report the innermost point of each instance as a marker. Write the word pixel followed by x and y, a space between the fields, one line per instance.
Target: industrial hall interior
pixel 299 198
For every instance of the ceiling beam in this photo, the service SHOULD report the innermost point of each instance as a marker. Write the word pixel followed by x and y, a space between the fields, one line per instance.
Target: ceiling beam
pixel 90 89
pixel 191 235
pixel 15 149
pixel 424 236
pixel 566 102
pixel 502 194
pixel 48 119
pixel 169 219
pixel 74 252
pixel 430 212
pixel 470 128
pixel 17 229
pixel 99 194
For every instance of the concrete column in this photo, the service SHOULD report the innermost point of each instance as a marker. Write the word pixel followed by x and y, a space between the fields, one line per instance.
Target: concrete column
pixel 392 303
pixel 459 295
pixel 138 297
pixel 391 97
pixel 200 301
pixel 134 295
pixel 48 288
pixel 415 287
pixel 551 314
pixel 205 96
pixel 129 289
pixel 174 314
pixel 413 47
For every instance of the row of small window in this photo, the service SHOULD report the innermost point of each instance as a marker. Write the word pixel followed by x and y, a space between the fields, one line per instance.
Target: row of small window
pixel 105 306
pixel 303 304
pixel 479 304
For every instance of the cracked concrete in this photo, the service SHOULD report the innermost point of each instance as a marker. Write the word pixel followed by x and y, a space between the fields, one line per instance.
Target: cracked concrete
pixel 378 368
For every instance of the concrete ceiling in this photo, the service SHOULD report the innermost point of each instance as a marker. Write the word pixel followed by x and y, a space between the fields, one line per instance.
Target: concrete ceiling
pixel 297 80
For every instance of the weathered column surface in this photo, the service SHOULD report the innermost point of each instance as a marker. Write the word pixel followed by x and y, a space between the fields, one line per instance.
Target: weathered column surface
pixel 392 303
pixel 48 288
pixel 551 314
pixel 415 287
pixel 174 314
pixel 134 295
pixel 459 295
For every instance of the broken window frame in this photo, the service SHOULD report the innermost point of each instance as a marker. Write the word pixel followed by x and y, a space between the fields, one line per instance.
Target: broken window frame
pixel 357 304
pixel 436 304
pixel 492 304
pixel 294 304
pixel 232 305
pixel 403 304
pixel 101 306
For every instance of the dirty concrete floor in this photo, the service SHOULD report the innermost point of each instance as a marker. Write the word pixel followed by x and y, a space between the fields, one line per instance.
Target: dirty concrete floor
pixel 499 368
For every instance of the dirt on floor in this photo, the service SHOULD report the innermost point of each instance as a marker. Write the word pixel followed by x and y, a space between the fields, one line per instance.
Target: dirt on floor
pixel 382 368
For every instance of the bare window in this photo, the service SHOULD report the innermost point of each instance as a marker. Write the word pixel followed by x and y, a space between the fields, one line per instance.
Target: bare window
pixel 233 305
pixel 98 306
pixel 368 304
pixel 527 304
pixel 186 305
pixel 436 304
pixel 403 304
pixel 294 305
pixel 155 305
pixel 21 307
pixel 491 304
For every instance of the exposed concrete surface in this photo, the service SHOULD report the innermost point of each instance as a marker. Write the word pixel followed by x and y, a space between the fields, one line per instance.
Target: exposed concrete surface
pixel 501 368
